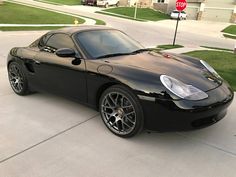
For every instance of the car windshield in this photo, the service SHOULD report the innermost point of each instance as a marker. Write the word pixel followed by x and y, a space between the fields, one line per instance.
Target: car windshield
pixel 107 43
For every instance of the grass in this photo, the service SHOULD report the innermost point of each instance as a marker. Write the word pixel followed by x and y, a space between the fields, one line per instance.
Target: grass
pixel 229 36
pixel 230 29
pixel 31 15
pixel 230 32
pixel 217 48
pixel 169 46
pixel 29 28
pixel 64 2
pixel 99 22
pixel 223 62
pixel 116 15
pixel 142 13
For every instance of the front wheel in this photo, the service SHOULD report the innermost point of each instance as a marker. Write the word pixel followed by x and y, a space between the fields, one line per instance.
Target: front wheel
pixel 17 79
pixel 121 111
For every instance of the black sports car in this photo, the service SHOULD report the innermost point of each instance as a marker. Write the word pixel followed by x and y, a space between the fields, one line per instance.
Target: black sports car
pixel 132 87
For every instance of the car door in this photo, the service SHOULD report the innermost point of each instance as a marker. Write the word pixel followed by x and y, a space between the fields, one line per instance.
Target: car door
pixel 58 74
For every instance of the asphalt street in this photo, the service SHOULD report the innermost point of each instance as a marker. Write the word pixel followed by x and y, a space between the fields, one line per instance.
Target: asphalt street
pixel 44 135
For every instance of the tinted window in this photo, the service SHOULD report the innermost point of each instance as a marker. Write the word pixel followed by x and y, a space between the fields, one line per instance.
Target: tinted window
pixel 43 40
pixel 104 42
pixel 58 41
pixel 35 43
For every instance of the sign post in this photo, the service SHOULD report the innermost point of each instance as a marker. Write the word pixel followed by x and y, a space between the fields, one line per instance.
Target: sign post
pixel 180 6
pixel 135 10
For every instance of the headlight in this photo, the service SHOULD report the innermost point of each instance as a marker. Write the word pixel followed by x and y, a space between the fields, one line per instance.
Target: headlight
pixel 181 89
pixel 210 69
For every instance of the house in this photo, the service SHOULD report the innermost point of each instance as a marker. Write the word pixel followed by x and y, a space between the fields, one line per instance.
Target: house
pixel 141 3
pixel 209 10
pixel 165 6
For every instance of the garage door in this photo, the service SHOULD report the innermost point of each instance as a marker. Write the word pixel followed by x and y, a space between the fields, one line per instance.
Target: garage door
pixel 192 13
pixel 192 10
pixel 220 15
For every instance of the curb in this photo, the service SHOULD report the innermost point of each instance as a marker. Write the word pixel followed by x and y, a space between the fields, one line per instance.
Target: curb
pixel 35 25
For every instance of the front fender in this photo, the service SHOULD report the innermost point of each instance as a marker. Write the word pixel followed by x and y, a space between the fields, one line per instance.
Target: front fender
pixel 145 84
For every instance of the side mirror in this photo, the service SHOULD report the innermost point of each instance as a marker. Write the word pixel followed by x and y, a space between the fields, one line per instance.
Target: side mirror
pixel 65 52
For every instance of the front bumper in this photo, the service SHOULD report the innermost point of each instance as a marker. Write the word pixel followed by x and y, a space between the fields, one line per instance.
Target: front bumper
pixel 182 115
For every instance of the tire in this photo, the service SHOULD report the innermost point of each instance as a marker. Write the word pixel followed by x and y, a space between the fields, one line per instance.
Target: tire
pixel 121 111
pixel 17 79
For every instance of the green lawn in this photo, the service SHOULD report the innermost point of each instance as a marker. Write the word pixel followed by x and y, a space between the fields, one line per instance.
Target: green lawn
pixel 142 13
pixel 65 2
pixel 117 15
pixel 217 48
pixel 169 46
pixel 230 32
pixel 29 15
pixel 230 29
pixel 223 62
pixel 99 22
pixel 29 28
pixel 229 36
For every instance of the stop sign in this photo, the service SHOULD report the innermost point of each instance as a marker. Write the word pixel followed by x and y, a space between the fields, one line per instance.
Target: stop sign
pixel 181 5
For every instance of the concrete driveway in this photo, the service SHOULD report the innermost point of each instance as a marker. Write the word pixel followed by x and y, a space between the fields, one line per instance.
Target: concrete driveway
pixel 43 135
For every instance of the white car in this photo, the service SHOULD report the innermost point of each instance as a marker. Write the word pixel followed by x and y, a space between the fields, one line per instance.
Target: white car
pixel 175 13
pixel 107 3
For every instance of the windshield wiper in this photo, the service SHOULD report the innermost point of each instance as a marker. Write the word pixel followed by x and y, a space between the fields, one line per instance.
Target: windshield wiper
pixel 112 55
pixel 120 54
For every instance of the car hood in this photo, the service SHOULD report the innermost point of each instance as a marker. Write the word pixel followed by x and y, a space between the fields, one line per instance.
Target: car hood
pixel 192 73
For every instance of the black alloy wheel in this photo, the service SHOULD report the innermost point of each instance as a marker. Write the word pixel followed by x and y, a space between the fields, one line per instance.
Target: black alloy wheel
pixel 17 79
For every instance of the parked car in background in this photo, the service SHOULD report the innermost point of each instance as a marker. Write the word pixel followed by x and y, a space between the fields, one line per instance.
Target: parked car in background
pixel 89 2
pixel 175 14
pixel 107 3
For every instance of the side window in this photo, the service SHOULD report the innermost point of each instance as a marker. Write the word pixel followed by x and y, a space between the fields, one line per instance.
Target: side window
pixel 43 40
pixel 58 41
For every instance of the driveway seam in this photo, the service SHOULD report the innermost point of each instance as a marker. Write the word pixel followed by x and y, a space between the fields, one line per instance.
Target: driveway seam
pixel 48 139
pixel 209 145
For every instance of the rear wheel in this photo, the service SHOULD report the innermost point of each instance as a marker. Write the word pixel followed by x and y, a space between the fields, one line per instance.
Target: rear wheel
pixel 17 79
pixel 121 111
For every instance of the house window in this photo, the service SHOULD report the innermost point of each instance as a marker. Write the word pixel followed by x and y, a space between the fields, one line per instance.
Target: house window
pixel 160 1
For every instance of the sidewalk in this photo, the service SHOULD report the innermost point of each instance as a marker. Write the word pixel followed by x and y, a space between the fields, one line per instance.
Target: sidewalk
pixel 185 50
pixel 190 48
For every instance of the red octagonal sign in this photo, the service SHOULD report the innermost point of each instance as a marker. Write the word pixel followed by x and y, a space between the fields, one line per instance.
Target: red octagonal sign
pixel 181 5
